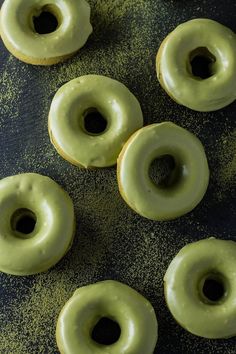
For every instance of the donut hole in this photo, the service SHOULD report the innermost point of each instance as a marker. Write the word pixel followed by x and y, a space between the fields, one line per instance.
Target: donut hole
pixel 106 331
pixel 201 62
pixel 213 288
pixel 23 222
pixel 94 122
pixel 47 21
pixel 163 171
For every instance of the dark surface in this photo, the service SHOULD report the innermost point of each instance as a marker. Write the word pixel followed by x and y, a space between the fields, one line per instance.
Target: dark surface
pixel 112 241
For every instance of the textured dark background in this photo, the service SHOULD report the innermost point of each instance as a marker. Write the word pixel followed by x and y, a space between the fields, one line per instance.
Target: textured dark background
pixel 112 241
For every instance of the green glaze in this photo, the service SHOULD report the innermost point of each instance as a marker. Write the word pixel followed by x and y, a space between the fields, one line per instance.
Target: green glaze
pixel 188 180
pixel 31 194
pixel 18 34
pixel 112 100
pixel 174 69
pixel 134 314
pixel 210 258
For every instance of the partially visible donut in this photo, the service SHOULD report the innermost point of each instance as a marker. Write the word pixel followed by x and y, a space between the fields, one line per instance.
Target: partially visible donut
pixel 20 36
pixel 200 288
pixel 37 224
pixel 110 300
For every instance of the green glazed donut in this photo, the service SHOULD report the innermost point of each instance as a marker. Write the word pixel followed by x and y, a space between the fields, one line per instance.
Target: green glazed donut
pixel 74 102
pixel 35 201
pixel 195 266
pixel 19 34
pixel 184 187
pixel 206 40
pixel 107 299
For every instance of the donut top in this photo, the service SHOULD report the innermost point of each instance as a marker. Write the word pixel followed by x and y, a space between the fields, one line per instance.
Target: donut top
pixel 192 37
pixel 187 182
pixel 17 27
pixel 113 100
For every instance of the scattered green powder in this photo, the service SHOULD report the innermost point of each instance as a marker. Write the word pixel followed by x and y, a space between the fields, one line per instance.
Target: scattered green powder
pixel 10 83
pixel 226 171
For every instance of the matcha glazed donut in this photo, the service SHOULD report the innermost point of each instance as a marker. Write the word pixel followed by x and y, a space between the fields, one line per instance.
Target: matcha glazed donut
pixel 183 188
pixel 193 272
pixel 115 301
pixel 214 45
pixel 37 224
pixel 87 98
pixel 20 36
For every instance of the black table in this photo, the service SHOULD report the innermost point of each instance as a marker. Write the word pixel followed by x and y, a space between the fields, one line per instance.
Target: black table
pixel 112 242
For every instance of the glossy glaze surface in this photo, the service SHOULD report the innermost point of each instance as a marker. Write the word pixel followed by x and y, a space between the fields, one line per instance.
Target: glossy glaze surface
pixel 174 65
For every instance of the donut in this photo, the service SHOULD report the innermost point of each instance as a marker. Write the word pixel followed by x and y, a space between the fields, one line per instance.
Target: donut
pixel 182 189
pixel 37 224
pixel 196 65
pixel 112 300
pixel 96 98
pixel 200 288
pixel 26 42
